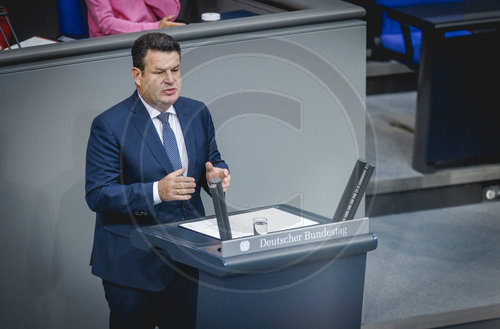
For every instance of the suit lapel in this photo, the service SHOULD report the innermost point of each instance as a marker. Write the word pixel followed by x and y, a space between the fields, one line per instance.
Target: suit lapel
pixel 142 121
pixel 186 120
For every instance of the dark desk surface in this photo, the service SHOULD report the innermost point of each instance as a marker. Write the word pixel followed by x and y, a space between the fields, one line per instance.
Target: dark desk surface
pixel 450 16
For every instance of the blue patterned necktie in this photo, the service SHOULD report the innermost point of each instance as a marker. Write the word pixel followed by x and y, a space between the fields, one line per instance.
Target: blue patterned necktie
pixel 169 141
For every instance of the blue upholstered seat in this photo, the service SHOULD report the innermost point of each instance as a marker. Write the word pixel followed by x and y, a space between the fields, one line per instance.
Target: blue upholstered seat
pixel 72 18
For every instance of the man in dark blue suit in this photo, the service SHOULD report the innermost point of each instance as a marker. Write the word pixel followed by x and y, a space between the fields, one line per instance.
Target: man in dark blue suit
pixel 147 159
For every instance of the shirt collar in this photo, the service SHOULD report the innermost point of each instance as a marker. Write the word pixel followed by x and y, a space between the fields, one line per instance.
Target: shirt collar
pixel 153 113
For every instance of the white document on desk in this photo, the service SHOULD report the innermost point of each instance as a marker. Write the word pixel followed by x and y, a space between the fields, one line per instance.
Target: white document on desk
pixel 242 224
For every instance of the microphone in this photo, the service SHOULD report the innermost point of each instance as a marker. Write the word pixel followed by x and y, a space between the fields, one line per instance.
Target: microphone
pixel 220 207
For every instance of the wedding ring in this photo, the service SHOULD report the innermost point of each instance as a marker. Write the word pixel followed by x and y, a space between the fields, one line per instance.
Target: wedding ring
pixel 178 192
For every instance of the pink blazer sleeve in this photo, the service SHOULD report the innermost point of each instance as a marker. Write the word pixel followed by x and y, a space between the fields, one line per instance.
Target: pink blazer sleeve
pixel 106 22
pixel 163 8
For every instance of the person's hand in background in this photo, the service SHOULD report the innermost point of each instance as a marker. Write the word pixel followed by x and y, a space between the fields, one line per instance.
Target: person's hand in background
pixel 167 22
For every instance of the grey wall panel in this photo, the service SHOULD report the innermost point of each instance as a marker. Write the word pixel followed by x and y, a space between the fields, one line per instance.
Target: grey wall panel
pixel 289 112
pixel 47 228
pixel 299 140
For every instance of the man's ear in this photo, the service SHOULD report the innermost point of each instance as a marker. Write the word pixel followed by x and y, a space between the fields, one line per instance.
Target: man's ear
pixel 136 75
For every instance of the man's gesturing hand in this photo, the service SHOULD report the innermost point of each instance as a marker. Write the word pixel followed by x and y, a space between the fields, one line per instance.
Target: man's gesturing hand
pixel 212 172
pixel 174 186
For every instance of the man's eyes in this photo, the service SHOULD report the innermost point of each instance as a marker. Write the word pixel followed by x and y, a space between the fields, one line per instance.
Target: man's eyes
pixel 162 72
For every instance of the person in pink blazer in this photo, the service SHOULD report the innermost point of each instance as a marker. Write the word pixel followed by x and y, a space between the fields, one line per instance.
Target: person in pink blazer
pixel 106 17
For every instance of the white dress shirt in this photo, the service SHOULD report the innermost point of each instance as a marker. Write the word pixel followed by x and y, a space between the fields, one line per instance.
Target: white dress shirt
pixel 174 123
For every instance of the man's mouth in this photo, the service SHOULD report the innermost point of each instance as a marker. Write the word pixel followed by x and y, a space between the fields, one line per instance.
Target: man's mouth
pixel 170 91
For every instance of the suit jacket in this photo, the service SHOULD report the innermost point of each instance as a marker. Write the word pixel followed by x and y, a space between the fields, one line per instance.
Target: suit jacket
pixel 124 157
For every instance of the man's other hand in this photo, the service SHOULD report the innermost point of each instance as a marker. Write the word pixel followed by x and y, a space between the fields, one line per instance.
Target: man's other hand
pixel 223 174
pixel 175 187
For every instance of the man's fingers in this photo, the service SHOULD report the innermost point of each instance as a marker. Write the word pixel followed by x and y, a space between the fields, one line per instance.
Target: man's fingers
pixel 183 191
pixel 181 197
pixel 185 185
pixel 182 179
pixel 168 18
pixel 178 172
pixel 175 187
pixel 226 181
pixel 209 166
pixel 177 181
pixel 180 193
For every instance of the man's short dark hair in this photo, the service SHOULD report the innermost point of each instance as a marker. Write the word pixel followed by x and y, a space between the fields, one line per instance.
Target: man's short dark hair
pixel 154 41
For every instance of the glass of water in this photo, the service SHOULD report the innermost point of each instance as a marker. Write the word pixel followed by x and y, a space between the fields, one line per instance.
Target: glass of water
pixel 259 225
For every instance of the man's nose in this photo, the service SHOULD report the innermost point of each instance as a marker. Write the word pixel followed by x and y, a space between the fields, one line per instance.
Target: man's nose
pixel 169 78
